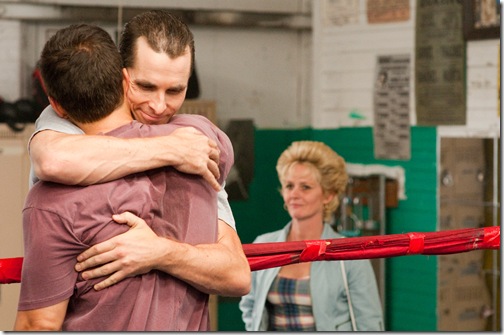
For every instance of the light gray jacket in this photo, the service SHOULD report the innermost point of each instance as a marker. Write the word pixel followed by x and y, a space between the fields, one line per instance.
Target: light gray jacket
pixel 329 298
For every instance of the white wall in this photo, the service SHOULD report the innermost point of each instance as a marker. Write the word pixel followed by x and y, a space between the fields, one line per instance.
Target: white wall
pixel 483 69
pixel 10 59
pixel 256 73
pixel 344 65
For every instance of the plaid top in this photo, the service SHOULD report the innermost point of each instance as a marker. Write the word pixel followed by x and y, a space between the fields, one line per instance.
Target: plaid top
pixel 290 305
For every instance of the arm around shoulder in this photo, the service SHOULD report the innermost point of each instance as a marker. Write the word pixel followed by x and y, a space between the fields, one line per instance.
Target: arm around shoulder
pixel 48 156
pixel 91 159
pixel 74 159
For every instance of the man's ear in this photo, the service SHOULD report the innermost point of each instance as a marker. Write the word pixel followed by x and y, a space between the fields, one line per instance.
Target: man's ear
pixel 57 108
pixel 126 80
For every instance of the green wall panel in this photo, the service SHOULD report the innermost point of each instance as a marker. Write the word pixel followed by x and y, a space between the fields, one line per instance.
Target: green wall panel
pixel 411 280
pixel 229 315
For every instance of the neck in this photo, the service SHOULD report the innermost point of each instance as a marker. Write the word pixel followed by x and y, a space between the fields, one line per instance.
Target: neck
pixel 306 230
pixel 119 117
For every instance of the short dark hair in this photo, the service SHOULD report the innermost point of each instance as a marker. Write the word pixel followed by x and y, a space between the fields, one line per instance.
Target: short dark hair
pixel 82 70
pixel 164 31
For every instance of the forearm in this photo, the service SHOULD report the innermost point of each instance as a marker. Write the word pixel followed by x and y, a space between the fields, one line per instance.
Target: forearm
pixel 46 318
pixel 86 159
pixel 218 268
pixel 24 323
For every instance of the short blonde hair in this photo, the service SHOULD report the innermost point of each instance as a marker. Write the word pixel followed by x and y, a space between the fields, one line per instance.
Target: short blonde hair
pixel 330 166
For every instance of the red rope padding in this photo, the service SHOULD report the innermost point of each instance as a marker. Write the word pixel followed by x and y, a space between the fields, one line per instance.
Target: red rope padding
pixel 313 251
pixel 416 245
pixel 269 255
pixel 10 270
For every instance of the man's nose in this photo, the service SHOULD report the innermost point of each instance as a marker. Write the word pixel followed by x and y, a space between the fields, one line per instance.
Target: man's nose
pixel 158 103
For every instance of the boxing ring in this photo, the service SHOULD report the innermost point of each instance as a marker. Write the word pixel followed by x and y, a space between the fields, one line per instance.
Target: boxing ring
pixel 268 255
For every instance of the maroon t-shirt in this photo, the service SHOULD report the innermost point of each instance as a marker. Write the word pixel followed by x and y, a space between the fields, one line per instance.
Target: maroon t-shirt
pixel 61 221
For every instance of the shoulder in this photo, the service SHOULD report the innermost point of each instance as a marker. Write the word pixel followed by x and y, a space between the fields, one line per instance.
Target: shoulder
pixel 329 232
pixel 202 124
pixel 49 120
pixel 197 121
pixel 209 129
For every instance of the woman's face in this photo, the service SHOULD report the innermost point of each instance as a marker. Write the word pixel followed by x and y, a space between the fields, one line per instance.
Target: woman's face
pixel 302 193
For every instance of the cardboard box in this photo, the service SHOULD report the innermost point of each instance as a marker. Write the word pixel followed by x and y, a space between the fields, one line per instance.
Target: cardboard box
pixel 463 317
pixel 207 108
pixel 457 215
pixel 460 270
pixel 464 299
pixel 462 168
pixel 463 296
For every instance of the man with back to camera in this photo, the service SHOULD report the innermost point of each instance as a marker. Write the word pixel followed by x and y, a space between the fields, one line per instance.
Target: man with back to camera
pixel 158 74
pixel 82 71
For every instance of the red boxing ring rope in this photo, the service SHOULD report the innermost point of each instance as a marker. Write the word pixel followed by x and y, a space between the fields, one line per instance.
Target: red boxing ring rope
pixel 269 255
pixel 10 270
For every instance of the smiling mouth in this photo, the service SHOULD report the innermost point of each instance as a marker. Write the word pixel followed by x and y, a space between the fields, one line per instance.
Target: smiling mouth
pixel 150 117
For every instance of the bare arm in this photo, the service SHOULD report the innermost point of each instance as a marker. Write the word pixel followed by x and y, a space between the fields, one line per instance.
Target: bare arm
pixel 220 268
pixel 47 318
pixel 217 268
pixel 88 159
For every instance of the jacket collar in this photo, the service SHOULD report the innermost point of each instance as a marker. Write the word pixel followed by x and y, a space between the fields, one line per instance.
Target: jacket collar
pixel 327 232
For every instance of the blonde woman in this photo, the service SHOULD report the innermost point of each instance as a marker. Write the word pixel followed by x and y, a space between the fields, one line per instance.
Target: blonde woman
pixel 316 296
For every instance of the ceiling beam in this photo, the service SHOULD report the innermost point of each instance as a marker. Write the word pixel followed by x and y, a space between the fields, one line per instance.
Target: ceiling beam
pixel 225 18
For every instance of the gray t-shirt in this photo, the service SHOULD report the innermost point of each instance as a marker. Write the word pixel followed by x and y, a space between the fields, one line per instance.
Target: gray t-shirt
pixel 49 120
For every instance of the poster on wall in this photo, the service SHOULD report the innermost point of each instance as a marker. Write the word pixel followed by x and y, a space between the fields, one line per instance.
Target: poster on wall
pixel 482 19
pixel 440 64
pixel 340 12
pixel 381 11
pixel 391 129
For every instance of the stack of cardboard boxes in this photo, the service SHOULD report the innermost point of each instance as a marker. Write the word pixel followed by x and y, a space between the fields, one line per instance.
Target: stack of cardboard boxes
pixel 207 108
pixel 464 302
